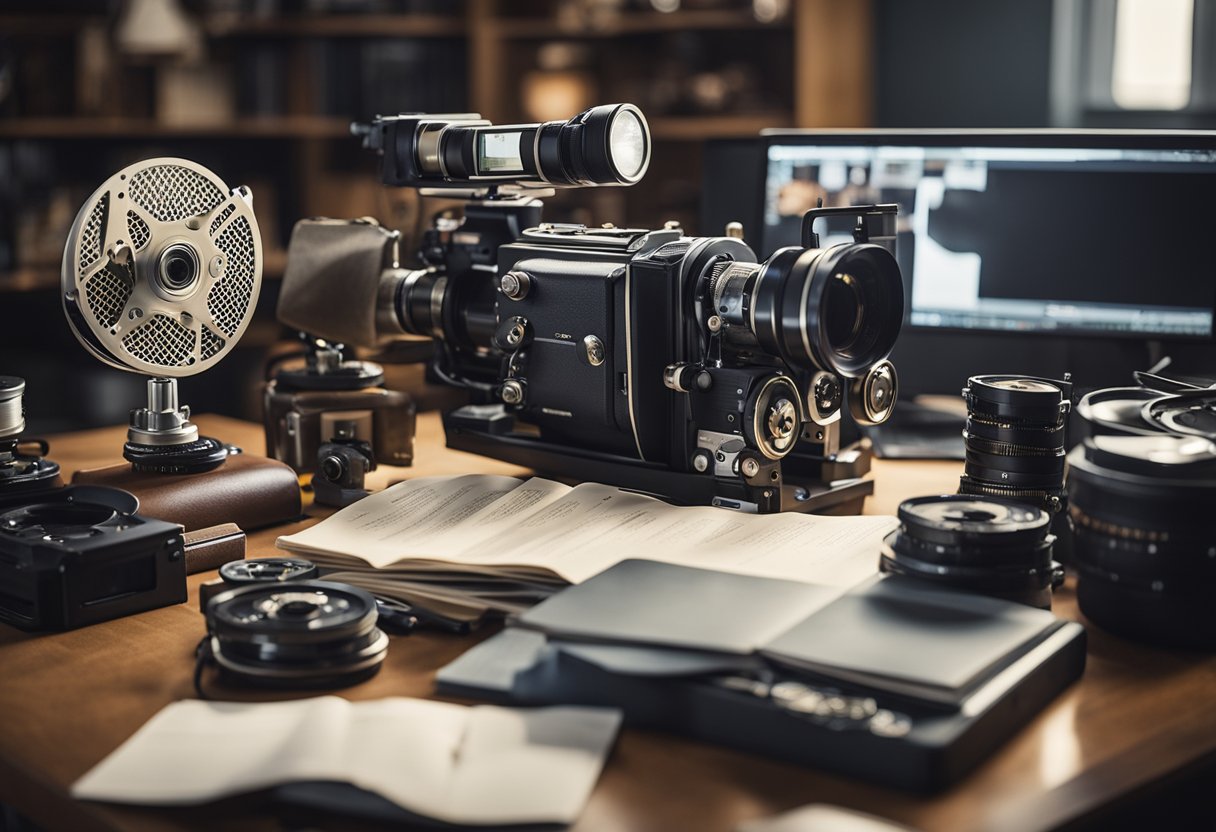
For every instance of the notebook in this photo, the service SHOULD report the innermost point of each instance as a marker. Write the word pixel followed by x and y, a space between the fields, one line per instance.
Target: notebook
pixel 889 634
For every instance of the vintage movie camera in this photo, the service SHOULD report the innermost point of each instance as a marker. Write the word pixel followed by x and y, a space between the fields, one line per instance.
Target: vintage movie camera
pixel 685 367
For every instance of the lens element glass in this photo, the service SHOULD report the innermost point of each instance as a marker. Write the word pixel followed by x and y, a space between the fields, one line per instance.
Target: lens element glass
pixel 627 144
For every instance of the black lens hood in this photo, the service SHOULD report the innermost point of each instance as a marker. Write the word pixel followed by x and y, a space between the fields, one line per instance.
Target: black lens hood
pixel 804 313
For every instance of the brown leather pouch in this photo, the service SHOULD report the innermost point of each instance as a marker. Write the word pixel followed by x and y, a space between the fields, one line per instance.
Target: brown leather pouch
pixel 212 547
pixel 250 491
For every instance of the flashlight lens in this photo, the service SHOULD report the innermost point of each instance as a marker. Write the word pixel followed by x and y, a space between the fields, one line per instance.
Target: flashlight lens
pixel 627 144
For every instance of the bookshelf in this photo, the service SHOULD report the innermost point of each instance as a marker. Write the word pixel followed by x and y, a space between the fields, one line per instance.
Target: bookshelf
pixel 74 126
pixel 826 83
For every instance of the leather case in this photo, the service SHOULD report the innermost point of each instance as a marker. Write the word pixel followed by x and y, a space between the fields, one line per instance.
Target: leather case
pixel 212 547
pixel 250 491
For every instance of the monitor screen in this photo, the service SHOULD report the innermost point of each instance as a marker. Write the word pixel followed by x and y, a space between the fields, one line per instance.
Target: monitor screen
pixel 1104 234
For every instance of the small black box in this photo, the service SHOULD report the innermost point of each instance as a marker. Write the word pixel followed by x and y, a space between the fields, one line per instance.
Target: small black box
pixel 80 555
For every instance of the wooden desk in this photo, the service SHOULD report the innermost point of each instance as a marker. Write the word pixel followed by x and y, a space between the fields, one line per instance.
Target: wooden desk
pixel 69 699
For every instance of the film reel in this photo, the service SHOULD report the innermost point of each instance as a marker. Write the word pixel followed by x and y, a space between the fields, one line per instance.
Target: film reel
pixel 162 268
pixel 295 634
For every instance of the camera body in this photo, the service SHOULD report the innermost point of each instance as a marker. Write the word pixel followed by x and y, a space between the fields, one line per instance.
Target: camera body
pixel 685 367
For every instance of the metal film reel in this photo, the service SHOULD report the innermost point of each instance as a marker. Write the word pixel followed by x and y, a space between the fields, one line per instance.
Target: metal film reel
pixel 162 268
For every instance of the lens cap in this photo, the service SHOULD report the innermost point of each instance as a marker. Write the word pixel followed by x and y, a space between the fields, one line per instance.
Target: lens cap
pixel 951 519
pixel 1026 399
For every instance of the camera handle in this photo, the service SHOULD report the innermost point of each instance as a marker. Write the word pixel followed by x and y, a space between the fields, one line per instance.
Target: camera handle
pixel 875 223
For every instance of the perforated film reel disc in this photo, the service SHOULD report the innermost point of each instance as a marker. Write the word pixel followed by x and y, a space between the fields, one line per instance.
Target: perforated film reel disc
pixel 162 268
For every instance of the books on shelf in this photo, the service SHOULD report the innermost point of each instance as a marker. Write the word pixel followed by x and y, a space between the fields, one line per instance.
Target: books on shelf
pixel 462 546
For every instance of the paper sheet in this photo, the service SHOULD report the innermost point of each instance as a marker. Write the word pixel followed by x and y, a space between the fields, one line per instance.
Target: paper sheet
pixel 574 533
pixel 480 765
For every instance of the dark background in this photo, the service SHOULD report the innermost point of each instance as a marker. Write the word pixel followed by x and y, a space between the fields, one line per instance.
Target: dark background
pixel 297 75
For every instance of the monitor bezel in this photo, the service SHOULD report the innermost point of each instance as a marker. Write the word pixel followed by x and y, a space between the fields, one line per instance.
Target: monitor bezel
pixel 1063 138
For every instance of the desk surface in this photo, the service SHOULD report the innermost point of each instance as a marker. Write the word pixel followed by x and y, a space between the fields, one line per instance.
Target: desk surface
pixel 69 699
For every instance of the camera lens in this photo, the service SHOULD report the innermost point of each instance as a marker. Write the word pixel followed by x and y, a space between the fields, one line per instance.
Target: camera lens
pixel 988 545
pixel 1015 438
pixel 1145 540
pixel 606 145
pixel 333 468
pixel 177 269
pixel 837 309
pixel 419 302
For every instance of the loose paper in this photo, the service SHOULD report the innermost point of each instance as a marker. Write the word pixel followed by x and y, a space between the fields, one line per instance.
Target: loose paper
pixel 463 765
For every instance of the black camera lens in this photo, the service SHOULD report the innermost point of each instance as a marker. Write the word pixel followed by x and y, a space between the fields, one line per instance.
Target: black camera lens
pixel 1145 540
pixel 605 145
pixel 838 309
pixel 177 270
pixel 988 545
pixel 333 468
pixel 419 302
pixel 1015 437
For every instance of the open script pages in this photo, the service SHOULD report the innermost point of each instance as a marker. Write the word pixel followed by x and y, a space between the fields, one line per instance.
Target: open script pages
pixel 539 530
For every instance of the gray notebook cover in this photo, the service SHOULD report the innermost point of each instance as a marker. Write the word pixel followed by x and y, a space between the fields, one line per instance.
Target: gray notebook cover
pixel 658 604
pixel 890 634
pixel 937 643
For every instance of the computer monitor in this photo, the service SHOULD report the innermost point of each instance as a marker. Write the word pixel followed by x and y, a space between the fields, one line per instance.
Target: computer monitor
pixel 1094 233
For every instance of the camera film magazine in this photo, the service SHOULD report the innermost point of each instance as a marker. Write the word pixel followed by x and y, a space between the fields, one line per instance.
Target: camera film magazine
pixel 462 546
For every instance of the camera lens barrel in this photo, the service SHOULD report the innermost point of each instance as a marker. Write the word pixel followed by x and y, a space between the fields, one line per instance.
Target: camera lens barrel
pixel 12 413
pixel 838 309
pixel 419 298
pixel 1145 540
pixel 1014 437
pixel 992 546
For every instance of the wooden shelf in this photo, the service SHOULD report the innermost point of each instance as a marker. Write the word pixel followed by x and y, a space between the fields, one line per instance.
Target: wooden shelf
pixel 268 127
pixel 337 26
pixel 639 23
pixel 699 128
pixel 29 279
pixel 42 25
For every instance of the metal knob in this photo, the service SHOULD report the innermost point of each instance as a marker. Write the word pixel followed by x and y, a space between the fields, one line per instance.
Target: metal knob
pixel 512 392
pixel 515 285
pixel 594 349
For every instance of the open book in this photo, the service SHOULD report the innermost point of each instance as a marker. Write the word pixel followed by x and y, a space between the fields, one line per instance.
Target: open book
pixel 463 545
